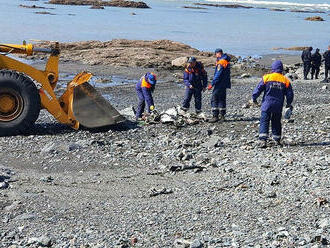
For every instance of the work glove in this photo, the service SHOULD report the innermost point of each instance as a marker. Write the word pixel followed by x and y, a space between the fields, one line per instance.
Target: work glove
pixel 153 110
pixel 288 112
pixel 210 87
pixel 289 106
pixel 253 103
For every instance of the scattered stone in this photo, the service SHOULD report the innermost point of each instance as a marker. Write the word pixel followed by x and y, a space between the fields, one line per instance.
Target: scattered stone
pixel 324 223
pixel 214 141
pixel 245 75
pixel 25 216
pixel 128 111
pixel 73 146
pixel 42 241
pixel 182 243
pixel 196 244
pixel 292 76
pixel 48 148
pixel 47 179
pixel 271 194
pixel 320 201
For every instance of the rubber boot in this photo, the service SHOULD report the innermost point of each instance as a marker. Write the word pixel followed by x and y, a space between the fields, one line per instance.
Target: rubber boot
pixel 215 117
pixel 262 143
pixel 221 118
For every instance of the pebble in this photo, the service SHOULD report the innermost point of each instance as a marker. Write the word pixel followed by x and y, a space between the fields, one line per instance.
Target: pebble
pixel 25 216
pixel 42 241
pixel 196 244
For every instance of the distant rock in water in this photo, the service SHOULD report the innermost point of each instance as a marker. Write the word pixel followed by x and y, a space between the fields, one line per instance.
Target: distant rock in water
pixel 113 3
pixel 127 4
pixel 44 13
pixel 274 9
pixel 193 7
pixel 298 48
pixel 307 11
pixel 232 6
pixel 31 6
pixel 314 18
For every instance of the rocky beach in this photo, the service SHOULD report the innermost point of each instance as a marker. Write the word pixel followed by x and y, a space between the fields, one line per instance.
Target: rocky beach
pixel 176 184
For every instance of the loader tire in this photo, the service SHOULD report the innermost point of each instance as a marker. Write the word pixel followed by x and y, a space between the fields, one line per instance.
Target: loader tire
pixel 19 103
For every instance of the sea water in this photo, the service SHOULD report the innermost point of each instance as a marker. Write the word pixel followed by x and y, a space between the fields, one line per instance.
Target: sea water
pixel 245 32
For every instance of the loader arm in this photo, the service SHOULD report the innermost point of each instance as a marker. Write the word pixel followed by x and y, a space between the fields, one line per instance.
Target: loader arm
pixel 47 79
pixel 79 105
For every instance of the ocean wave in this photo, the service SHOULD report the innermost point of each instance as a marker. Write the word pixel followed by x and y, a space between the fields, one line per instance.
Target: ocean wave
pixel 321 6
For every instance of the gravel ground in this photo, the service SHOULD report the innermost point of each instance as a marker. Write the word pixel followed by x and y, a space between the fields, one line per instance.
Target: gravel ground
pixel 204 185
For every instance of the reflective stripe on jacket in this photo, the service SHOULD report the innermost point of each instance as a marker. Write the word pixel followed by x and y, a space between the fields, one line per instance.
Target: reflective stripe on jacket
pixel 275 87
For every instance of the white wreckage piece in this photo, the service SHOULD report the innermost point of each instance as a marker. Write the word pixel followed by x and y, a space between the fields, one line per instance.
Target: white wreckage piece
pixel 174 115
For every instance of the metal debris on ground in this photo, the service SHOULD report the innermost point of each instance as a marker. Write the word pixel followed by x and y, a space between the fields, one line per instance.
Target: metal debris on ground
pixel 163 191
pixel 175 116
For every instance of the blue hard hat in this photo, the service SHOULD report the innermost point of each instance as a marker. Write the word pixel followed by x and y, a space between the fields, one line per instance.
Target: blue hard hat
pixel 218 50
pixel 192 59
pixel 152 78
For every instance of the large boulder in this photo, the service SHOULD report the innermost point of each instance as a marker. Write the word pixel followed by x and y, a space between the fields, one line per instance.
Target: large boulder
pixel 180 62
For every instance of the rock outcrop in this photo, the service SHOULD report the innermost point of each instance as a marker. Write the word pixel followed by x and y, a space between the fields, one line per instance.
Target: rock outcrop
pixel 131 53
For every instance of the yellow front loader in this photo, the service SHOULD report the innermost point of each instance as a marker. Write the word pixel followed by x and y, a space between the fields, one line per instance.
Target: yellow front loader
pixel 24 90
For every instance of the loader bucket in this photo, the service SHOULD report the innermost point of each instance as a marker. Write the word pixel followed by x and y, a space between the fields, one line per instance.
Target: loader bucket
pixel 91 109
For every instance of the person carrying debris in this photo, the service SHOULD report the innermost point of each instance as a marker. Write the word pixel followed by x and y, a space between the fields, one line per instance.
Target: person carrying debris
pixel 144 90
pixel 316 63
pixel 220 84
pixel 326 57
pixel 306 57
pixel 275 87
pixel 195 80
